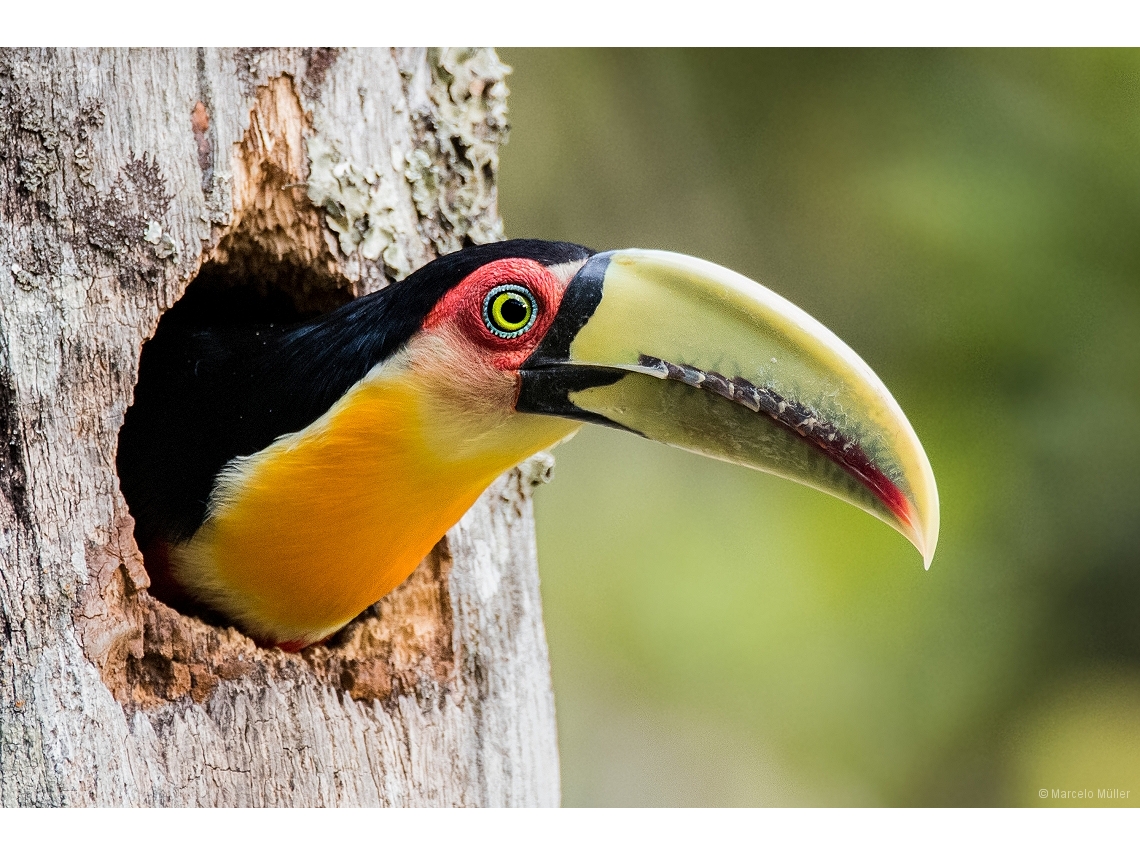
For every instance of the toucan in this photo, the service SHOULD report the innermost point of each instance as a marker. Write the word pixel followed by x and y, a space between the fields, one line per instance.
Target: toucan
pixel 285 477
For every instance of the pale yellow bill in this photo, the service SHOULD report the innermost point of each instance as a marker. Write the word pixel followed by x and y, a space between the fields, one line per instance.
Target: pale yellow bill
pixel 720 365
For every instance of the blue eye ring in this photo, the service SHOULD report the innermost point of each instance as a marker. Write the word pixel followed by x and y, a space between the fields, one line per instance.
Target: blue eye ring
pixel 501 309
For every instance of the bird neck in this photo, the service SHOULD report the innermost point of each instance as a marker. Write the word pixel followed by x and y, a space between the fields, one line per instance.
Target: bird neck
pixel 302 536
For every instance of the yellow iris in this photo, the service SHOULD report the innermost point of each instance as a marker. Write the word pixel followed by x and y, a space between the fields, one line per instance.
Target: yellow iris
pixel 509 310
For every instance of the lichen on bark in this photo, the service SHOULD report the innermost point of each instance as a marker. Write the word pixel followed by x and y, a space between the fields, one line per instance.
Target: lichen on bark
pixel 359 204
pixel 453 170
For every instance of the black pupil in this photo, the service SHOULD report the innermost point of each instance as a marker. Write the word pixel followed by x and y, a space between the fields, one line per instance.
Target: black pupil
pixel 514 310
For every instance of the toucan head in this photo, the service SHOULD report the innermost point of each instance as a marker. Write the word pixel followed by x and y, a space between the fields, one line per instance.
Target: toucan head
pixel 528 339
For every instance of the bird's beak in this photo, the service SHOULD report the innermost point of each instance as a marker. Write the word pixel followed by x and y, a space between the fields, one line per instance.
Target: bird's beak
pixel 693 355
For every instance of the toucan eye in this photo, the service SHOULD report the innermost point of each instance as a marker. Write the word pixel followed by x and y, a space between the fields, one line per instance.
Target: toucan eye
pixel 509 310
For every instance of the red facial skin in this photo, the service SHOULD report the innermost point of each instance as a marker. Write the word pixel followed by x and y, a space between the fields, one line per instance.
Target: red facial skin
pixel 462 308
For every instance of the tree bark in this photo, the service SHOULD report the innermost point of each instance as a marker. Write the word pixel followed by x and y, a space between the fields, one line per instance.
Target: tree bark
pixel 123 176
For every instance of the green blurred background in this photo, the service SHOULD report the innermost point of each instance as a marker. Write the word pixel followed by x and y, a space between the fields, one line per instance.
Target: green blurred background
pixel 970 223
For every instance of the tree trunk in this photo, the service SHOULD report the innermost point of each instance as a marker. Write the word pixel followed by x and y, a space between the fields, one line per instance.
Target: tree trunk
pixel 319 175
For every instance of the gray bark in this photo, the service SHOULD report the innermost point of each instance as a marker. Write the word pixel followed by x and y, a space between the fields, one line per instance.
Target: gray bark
pixel 121 174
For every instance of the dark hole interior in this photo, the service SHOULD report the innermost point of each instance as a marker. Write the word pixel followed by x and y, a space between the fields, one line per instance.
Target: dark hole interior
pixel 245 293
pixel 250 291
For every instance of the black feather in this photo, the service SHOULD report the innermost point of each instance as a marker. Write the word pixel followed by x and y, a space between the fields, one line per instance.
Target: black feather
pixel 208 394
